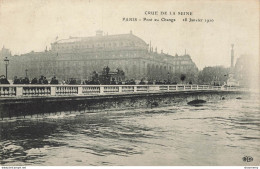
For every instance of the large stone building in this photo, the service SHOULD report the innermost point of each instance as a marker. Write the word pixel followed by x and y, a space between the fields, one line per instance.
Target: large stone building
pixel 78 57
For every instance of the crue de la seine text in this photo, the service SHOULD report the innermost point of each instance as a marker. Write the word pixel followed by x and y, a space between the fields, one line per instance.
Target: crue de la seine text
pixel 168 16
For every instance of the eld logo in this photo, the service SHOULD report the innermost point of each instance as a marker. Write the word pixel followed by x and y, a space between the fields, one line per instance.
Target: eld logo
pixel 247 159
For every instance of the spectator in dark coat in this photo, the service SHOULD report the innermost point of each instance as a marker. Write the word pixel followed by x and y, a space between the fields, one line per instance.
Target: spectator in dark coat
pixel 16 80
pixel 54 81
pixel 34 81
pixel 45 81
pixel 3 80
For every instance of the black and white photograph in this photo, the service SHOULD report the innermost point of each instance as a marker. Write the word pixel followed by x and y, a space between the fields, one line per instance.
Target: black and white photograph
pixel 129 83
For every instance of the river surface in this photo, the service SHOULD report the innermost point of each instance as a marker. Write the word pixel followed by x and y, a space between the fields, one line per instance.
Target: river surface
pixel 217 133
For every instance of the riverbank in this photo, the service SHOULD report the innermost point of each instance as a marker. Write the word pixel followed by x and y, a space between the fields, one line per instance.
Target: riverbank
pixel 28 106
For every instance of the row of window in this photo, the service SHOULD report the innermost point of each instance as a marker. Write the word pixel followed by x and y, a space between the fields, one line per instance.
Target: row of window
pixel 96 45
pixel 67 66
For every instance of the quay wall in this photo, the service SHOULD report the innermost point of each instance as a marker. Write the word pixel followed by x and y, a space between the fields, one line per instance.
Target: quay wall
pixel 26 107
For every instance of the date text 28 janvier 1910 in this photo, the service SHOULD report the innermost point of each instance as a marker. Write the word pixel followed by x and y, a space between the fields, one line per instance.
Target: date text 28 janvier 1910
pixel 150 14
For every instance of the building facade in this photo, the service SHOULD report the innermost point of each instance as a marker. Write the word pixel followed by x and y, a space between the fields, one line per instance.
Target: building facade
pixel 78 57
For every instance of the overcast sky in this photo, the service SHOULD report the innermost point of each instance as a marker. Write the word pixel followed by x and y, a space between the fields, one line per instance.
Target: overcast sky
pixel 27 25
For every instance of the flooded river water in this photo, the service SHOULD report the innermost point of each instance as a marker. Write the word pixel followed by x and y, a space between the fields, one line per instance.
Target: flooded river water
pixel 217 133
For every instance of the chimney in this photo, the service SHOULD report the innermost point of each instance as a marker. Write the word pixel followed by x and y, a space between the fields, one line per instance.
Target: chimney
pixel 232 56
pixel 150 46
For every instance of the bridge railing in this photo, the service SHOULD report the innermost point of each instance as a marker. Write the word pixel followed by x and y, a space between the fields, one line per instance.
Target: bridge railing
pixel 70 90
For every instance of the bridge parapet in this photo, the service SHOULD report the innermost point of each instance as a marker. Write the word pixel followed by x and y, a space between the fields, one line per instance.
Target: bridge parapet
pixel 72 90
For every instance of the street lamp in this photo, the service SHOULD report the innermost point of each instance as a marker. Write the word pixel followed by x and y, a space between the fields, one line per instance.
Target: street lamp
pixel 6 64
pixel 26 70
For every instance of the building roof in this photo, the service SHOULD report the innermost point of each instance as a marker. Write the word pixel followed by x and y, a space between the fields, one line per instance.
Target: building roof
pixel 103 38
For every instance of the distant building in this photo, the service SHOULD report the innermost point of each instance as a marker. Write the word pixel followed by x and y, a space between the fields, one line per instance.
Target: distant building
pixel 78 57
pixel 242 70
pixel 5 53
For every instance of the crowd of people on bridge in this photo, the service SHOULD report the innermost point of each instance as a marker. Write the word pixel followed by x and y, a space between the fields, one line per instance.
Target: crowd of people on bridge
pixel 73 81
pixel 106 77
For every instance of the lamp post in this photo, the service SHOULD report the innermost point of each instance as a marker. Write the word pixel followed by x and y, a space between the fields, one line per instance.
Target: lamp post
pixel 168 77
pixel 26 70
pixel 6 64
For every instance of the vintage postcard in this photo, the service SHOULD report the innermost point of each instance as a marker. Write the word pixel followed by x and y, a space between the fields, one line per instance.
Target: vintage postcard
pixel 129 83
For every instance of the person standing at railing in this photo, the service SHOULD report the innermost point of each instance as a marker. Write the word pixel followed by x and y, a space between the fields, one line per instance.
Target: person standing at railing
pixel 113 82
pixel 16 80
pixel 45 81
pixel 34 81
pixel 25 81
pixel 54 81
pixel 3 80
pixel 41 80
